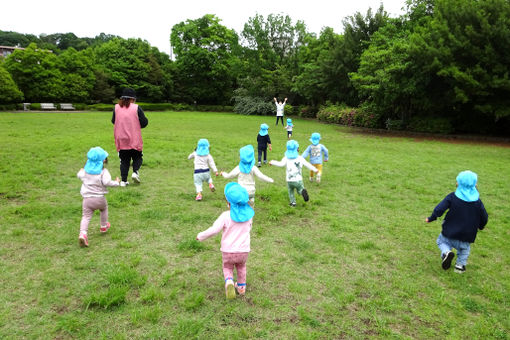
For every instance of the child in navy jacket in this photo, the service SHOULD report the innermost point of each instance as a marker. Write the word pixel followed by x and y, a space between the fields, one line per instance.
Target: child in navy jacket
pixel 466 215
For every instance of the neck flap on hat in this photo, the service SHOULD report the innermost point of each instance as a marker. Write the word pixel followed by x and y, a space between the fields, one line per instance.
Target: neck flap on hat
pixel 247 156
pixel 95 159
pixel 466 186
pixel 237 196
pixel 292 149
pixel 203 147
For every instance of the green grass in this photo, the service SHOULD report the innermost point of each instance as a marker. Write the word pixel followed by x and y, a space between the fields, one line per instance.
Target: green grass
pixel 357 261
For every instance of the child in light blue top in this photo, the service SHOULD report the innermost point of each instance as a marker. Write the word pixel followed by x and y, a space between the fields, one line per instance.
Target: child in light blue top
pixel 316 152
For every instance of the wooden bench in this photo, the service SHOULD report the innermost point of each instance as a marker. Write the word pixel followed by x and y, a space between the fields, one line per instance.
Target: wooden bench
pixel 66 106
pixel 48 106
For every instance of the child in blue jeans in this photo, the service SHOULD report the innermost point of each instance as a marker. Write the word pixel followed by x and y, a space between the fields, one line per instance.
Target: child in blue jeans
pixel 466 214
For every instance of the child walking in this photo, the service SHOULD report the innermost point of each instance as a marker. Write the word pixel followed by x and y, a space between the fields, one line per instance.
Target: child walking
pixel 95 179
pixel 203 162
pixel 246 172
pixel 294 164
pixel 466 215
pixel 236 224
pixel 289 128
pixel 263 142
pixel 316 152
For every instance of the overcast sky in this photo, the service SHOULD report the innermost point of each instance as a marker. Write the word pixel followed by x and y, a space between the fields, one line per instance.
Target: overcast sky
pixel 152 20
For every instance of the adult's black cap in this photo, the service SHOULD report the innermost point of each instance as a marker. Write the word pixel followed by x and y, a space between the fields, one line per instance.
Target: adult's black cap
pixel 128 93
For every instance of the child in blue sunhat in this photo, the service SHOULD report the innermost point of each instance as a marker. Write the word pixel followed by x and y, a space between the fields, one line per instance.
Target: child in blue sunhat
pixel 235 225
pixel 466 215
pixel 294 163
pixel 289 128
pixel 246 172
pixel 203 162
pixel 263 142
pixel 95 180
pixel 316 152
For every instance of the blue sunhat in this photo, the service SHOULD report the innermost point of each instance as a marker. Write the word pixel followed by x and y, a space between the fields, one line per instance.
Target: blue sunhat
pixel 247 155
pixel 263 129
pixel 203 147
pixel 316 137
pixel 237 196
pixel 466 186
pixel 289 122
pixel 94 164
pixel 292 149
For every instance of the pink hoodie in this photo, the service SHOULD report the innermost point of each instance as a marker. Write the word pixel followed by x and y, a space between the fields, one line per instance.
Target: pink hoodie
pixel 127 131
pixel 235 237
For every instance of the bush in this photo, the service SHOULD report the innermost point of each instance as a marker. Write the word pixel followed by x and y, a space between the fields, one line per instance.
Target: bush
pixel 307 111
pixel 340 114
pixel 431 124
pixel 394 124
pixel 247 105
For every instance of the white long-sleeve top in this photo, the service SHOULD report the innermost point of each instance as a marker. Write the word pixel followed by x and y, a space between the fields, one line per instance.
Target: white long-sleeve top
pixel 203 162
pixel 294 167
pixel 95 185
pixel 247 181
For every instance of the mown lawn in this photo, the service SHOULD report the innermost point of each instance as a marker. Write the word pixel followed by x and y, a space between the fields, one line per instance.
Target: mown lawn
pixel 357 261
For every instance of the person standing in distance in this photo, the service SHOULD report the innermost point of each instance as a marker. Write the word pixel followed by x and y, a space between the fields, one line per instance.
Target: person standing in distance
pixel 279 110
pixel 128 120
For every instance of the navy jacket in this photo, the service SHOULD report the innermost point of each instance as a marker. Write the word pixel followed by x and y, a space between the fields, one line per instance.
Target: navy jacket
pixel 262 141
pixel 462 220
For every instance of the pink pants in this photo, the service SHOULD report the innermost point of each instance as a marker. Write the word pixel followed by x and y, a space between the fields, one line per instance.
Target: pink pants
pixel 237 260
pixel 91 204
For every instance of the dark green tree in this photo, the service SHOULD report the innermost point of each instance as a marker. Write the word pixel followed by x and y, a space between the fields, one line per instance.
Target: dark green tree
pixel 9 92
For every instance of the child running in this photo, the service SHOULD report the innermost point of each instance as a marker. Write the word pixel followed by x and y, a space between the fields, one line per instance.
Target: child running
pixel 95 179
pixel 289 127
pixel 466 214
pixel 236 224
pixel 263 142
pixel 316 151
pixel 294 163
pixel 246 172
pixel 203 162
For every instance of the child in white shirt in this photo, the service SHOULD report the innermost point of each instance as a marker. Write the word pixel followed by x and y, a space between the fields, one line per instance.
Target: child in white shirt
pixel 203 162
pixel 289 127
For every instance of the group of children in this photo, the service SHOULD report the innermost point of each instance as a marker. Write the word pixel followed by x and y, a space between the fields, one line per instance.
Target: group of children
pixel 466 212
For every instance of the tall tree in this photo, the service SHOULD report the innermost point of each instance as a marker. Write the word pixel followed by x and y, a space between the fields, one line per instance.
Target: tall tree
pixel 9 92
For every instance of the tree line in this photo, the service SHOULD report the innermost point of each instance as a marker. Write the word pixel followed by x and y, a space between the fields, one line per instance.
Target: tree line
pixel 441 63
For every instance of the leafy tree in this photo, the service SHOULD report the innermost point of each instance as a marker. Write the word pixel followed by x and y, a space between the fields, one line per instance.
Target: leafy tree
pixel 206 60
pixel 8 38
pixel 78 75
pixel 9 92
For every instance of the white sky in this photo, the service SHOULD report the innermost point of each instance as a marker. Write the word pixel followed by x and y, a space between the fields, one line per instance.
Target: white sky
pixel 152 20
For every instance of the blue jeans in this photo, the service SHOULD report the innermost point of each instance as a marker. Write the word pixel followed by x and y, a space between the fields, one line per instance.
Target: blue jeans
pixel 446 244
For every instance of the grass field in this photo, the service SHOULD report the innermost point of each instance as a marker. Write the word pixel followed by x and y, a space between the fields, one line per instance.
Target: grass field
pixel 357 261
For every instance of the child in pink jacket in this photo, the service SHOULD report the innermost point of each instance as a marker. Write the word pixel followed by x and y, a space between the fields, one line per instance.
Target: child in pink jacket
pixel 235 224
pixel 95 179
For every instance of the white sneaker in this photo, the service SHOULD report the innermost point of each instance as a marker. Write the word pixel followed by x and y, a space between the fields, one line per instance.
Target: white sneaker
pixel 135 177
pixel 123 184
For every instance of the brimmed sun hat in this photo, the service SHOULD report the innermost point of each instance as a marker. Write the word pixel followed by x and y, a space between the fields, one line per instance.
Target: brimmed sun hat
pixel 94 164
pixel 203 147
pixel 263 129
pixel 237 196
pixel 247 155
pixel 128 93
pixel 316 137
pixel 466 186
pixel 289 122
pixel 292 149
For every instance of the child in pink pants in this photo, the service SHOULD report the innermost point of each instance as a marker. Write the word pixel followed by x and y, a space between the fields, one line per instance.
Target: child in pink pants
pixel 235 240
pixel 95 179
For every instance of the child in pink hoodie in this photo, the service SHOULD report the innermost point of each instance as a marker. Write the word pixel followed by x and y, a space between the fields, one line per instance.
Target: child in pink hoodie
pixel 95 179
pixel 235 241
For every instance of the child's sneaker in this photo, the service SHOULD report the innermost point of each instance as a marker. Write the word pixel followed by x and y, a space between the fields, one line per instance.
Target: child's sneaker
pixel 241 288
pixel 84 240
pixel 447 259
pixel 259 164
pixel 211 186
pixel 265 161
pixel 229 289
pixel 460 269
pixel 135 177
pixel 123 184
pixel 199 197
pixel 305 195
pixel 105 228
pixel 292 204
pixel 318 179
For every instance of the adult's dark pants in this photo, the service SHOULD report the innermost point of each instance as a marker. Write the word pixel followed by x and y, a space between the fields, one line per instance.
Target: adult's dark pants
pixel 265 154
pixel 278 118
pixel 125 161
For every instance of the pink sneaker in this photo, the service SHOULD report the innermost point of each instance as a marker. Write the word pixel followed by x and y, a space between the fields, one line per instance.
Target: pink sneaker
pixel 84 240
pixel 199 197
pixel 241 288
pixel 211 186
pixel 229 289
pixel 105 228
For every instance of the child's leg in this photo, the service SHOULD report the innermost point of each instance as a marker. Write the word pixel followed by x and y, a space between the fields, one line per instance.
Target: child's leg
pixel 463 249
pixel 260 153
pixel 265 155
pixel 137 160
pixel 318 167
pixel 444 244
pixel 228 265
pixel 125 160
pixel 197 180
pixel 103 209
pixel 87 212
pixel 290 187
pixel 240 260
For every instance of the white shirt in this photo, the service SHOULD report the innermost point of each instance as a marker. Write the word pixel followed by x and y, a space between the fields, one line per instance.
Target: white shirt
pixel 279 109
pixel 247 181
pixel 95 185
pixel 203 162
pixel 294 167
